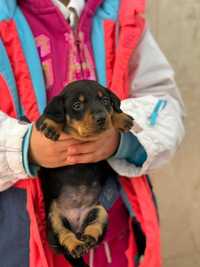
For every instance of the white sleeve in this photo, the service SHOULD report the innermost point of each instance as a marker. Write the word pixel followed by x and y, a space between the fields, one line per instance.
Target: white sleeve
pixel 11 138
pixel 152 80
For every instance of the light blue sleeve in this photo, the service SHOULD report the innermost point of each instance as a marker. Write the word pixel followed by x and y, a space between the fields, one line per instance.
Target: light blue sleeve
pixel 131 150
pixel 30 169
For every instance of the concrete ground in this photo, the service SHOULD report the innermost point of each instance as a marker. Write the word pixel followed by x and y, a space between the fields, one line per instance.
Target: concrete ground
pixel 176 27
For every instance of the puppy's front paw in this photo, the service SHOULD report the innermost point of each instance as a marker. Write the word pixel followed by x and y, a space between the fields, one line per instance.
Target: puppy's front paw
pixel 122 121
pixel 126 123
pixel 49 128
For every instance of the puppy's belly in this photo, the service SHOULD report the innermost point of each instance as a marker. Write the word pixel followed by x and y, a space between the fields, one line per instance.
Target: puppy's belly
pixel 75 202
pixel 76 217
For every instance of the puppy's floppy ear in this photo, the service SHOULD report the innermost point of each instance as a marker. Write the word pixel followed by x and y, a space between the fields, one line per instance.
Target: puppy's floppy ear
pixel 55 110
pixel 115 101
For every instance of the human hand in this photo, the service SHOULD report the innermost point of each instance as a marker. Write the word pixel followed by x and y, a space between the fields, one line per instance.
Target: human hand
pixel 48 153
pixel 95 149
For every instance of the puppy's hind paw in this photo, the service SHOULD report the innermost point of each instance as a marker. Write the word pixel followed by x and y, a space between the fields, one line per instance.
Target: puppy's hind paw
pixel 89 241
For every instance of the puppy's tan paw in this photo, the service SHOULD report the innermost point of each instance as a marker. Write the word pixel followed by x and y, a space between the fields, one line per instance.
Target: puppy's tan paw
pixel 123 122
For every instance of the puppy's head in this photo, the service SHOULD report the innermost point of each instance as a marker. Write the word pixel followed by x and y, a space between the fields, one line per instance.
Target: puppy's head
pixel 88 108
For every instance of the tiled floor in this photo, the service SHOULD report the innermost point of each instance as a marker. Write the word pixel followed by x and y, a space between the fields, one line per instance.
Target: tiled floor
pixel 176 26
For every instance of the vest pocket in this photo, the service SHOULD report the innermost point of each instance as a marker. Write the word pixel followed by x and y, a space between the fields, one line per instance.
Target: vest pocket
pixel 14 229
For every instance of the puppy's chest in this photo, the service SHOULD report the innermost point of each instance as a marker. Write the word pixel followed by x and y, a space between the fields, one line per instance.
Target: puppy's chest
pixel 73 196
pixel 78 181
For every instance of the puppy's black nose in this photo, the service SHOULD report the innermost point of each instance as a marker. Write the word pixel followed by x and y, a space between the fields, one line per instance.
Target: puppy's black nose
pixel 99 118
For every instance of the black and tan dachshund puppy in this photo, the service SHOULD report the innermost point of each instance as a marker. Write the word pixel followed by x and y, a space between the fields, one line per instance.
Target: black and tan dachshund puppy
pixel 76 221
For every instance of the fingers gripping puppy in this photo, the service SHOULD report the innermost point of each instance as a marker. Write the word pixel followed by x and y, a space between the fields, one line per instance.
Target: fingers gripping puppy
pixel 76 221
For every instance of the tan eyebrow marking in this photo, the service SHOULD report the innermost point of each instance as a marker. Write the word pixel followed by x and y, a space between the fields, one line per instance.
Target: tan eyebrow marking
pixel 100 94
pixel 81 98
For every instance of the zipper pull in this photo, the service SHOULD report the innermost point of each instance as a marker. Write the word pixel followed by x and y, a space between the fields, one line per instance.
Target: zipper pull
pixel 160 105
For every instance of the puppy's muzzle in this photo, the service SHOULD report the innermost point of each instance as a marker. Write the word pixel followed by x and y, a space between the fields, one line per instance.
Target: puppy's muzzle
pixel 99 118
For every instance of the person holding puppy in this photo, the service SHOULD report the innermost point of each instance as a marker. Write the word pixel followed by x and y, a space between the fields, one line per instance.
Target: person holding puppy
pixel 108 41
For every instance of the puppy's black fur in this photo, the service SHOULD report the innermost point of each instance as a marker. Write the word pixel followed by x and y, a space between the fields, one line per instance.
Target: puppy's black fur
pixel 76 221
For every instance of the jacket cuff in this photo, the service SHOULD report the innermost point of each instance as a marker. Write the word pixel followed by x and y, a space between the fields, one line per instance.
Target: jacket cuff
pixel 131 149
pixel 30 169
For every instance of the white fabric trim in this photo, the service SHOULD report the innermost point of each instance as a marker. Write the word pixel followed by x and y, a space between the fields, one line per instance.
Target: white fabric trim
pixel 11 138
pixel 63 9
pixel 78 5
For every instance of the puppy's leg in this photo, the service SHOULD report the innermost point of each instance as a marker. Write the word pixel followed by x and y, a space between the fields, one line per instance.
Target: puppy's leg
pixel 122 121
pixel 66 237
pixel 49 128
pixel 95 226
pixel 52 121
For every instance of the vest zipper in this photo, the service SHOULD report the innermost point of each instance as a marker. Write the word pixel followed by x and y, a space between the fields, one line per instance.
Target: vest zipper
pixel 78 49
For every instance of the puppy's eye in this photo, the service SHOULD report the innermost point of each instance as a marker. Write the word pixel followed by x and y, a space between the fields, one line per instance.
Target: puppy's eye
pixel 106 100
pixel 77 106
